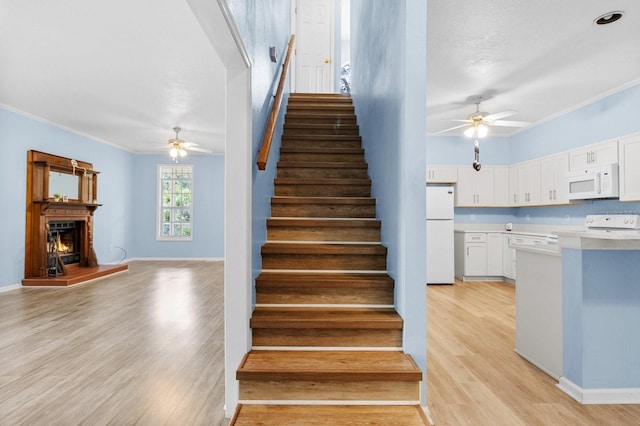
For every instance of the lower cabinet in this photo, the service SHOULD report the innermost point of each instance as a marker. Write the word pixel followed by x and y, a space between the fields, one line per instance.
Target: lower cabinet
pixel 478 254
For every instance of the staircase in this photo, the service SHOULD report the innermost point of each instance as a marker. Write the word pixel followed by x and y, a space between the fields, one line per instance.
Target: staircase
pixel 327 342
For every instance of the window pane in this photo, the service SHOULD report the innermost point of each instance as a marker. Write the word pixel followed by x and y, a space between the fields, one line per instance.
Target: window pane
pixel 175 201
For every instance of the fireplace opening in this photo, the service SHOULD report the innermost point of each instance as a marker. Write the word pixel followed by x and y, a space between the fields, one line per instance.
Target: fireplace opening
pixel 64 241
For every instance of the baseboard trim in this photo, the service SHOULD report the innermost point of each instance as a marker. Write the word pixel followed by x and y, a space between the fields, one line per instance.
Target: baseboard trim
pixel 10 287
pixel 324 402
pixel 600 395
pixel 171 259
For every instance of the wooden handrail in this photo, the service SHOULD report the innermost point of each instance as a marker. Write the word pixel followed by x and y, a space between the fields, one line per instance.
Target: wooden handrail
pixel 265 146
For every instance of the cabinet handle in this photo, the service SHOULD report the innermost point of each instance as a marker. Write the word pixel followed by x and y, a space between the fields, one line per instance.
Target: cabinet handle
pixel 595 157
pixel 550 195
pixel 467 251
pixel 554 194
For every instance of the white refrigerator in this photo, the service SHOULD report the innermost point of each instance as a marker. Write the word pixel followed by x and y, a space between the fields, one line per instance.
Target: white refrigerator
pixel 440 268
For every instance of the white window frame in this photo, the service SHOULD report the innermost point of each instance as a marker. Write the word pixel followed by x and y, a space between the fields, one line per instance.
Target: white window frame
pixel 160 207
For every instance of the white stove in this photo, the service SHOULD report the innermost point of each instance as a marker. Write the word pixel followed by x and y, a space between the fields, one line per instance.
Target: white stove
pixel 613 223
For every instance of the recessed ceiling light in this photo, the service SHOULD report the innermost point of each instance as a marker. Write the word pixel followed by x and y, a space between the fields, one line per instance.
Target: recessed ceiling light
pixel 608 18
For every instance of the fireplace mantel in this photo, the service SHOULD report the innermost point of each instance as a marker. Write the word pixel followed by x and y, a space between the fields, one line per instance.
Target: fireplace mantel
pixel 79 182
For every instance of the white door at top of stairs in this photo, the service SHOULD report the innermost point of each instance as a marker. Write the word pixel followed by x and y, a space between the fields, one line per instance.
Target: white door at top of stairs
pixel 314 21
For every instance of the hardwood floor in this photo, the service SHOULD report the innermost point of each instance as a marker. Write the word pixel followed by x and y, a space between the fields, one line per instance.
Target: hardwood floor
pixel 143 347
pixel 474 377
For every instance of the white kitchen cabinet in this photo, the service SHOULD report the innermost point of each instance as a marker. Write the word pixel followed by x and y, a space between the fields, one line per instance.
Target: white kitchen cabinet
pixel 475 254
pixel 514 199
pixel 629 171
pixel 508 258
pixel 529 183
pixel 501 186
pixel 553 179
pixel 475 188
pixel 594 155
pixel 494 254
pixel 442 174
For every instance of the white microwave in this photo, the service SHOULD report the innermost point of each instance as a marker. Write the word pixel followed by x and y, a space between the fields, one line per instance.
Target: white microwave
pixel 593 182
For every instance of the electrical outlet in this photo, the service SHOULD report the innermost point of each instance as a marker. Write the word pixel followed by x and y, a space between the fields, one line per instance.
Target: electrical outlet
pixel 566 217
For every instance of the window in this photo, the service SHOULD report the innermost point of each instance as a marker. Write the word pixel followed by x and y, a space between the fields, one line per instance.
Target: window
pixel 175 206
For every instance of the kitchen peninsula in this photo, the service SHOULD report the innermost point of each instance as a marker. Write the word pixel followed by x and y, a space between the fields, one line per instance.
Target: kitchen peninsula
pixel 600 314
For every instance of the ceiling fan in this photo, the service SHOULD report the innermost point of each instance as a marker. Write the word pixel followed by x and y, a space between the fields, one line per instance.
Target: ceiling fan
pixel 478 122
pixel 179 148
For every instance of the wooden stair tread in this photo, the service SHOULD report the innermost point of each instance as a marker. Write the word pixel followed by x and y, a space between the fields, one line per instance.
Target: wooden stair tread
pixel 322 137
pixel 334 318
pixel 329 415
pixel 321 150
pixel 323 164
pixel 328 366
pixel 323 248
pixel 319 222
pixel 334 279
pixel 321 181
pixel 319 126
pixel 323 200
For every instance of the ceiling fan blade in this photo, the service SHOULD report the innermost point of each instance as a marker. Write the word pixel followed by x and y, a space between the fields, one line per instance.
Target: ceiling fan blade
pixel 499 115
pixel 196 149
pixel 460 121
pixel 508 123
pixel 451 128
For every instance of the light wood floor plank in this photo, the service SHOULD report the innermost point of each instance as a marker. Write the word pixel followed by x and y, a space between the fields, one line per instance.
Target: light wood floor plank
pixel 144 347
pixel 474 376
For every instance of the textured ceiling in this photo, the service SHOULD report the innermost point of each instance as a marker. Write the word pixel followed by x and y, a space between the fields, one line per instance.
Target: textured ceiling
pixel 541 58
pixel 127 72
pixel 124 72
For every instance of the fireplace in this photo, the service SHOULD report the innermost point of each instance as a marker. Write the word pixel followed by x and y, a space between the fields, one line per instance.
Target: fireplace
pixel 64 242
pixel 59 232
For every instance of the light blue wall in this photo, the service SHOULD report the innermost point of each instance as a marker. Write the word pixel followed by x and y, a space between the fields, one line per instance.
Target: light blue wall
pixel 458 150
pixel 601 308
pixel 208 209
pixel 112 226
pixel 613 116
pixel 126 189
pixel 389 88
pixel 263 24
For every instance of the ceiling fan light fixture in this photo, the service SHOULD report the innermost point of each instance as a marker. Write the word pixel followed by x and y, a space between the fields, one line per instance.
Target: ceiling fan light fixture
pixel 608 18
pixel 482 130
pixel 470 131
pixel 182 152
pixel 173 152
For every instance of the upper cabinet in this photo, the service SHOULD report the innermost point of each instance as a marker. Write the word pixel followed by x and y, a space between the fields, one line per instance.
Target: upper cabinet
pixel 594 155
pixel 442 174
pixel 529 183
pixel 553 179
pixel 475 189
pixel 629 171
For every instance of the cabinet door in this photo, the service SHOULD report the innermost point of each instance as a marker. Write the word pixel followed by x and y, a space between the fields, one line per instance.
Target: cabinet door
pixel 442 174
pixel 529 182
pixel 501 187
pixel 507 258
pixel 629 170
pixel 484 182
pixel 514 194
pixel 465 187
pixel 494 253
pixel 553 179
pixel 594 155
pixel 475 261
pixel 561 187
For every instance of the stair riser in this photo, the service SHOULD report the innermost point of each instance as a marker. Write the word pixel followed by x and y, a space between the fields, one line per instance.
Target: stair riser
pixel 322 190
pixel 333 119
pixel 319 130
pixel 323 210
pixel 321 143
pixel 342 390
pixel 321 108
pixel 327 337
pixel 327 233
pixel 342 262
pixel 324 157
pixel 320 295
pixel 322 173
